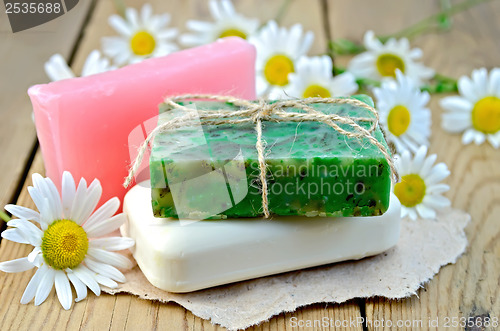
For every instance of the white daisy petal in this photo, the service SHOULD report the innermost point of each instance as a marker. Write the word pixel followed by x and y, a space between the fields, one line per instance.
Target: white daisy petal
pixel 119 24
pixel 479 138
pixel 404 211
pixel 132 17
pixel 63 289
pixel 45 286
pixel 29 230
pixel 105 270
pixel 80 287
pixel 53 196
pixel 15 235
pixel 23 212
pixel 17 265
pixel 438 189
pixel 106 226
pixel 33 255
pixel 412 214
pixel 456 103
pixel 436 201
pixel 37 198
pixel 467 89
pixel 94 193
pixel 79 200
pixel 87 277
pixel 426 212
pixel 112 243
pixel 456 122
pixel 494 82
pixel 114 259
pixel 68 193
pixel 468 136
pixel 494 140
pixel 30 291
pixel 438 173
pixel 56 68
pixel 105 281
pixel 104 212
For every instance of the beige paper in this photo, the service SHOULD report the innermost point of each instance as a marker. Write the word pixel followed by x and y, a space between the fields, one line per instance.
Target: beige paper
pixel 424 246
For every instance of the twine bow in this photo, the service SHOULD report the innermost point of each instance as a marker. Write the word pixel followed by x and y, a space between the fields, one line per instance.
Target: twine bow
pixel 257 112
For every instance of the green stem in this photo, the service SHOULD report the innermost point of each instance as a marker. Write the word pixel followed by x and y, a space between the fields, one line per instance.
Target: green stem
pixel 120 7
pixel 436 22
pixel 425 24
pixel 282 10
pixel 4 216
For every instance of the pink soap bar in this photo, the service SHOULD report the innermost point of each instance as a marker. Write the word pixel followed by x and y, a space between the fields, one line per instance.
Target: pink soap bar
pixel 83 124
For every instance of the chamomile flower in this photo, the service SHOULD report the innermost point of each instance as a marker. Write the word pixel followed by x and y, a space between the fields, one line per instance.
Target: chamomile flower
pixel 69 245
pixel 227 23
pixel 57 68
pixel 140 37
pixel 278 50
pixel 403 113
pixel 380 61
pixel 313 78
pixel 420 188
pixel 476 112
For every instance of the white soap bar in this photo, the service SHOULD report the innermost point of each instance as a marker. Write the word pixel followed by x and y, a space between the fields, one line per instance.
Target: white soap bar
pixel 181 258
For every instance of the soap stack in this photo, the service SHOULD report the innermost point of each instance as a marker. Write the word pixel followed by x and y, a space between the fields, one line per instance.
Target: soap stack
pixel 199 222
pixel 204 219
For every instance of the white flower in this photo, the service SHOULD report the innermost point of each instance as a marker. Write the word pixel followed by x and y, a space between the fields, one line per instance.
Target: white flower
pixel 227 22
pixel 140 37
pixel 57 68
pixel 313 78
pixel 419 190
pixel 69 247
pixel 380 61
pixel 278 49
pixel 477 110
pixel 403 113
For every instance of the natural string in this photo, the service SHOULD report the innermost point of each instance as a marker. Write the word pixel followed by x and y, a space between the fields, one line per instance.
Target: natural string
pixel 257 112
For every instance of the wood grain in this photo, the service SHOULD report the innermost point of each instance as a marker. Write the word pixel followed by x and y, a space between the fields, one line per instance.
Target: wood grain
pixel 23 55
pixel 125 311
pixel 469 288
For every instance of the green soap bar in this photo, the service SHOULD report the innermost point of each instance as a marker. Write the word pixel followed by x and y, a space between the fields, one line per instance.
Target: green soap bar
pixel 211 171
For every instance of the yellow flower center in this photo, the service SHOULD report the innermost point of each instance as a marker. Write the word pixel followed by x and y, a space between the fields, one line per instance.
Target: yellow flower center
pixel 398 120
pixel 64 244
pixel 233 33
pixel 388 63
pixel 411 190
pixel 142 43
pixel 313 91
pixel 277 69
pixel 486 115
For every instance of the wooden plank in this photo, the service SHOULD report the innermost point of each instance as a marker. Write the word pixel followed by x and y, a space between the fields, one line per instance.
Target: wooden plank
pixel 125 311
pixel 470 287
pixel 23 55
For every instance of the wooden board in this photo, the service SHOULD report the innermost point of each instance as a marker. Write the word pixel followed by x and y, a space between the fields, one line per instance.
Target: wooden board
pixel 23 55
pixel 468 288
